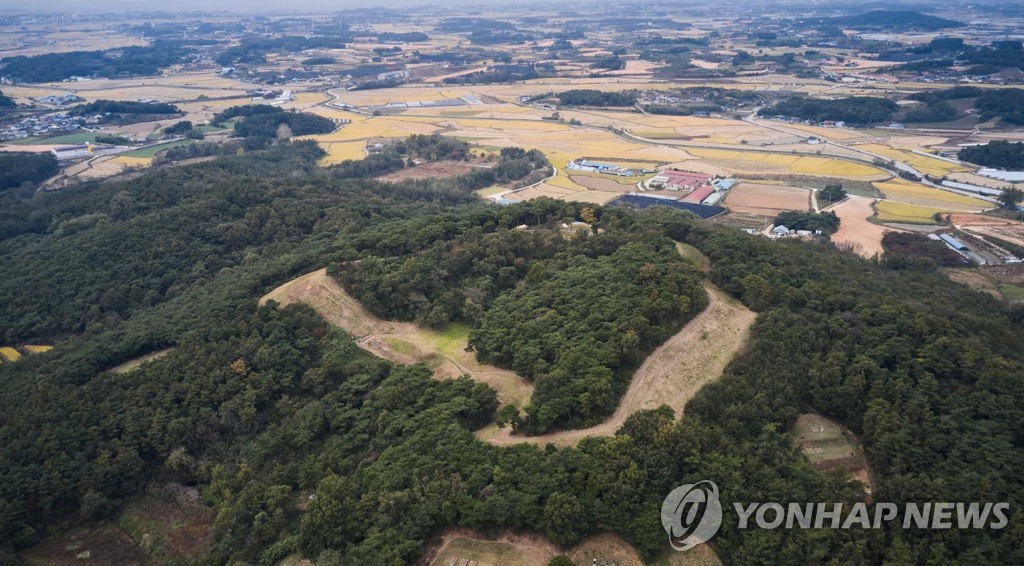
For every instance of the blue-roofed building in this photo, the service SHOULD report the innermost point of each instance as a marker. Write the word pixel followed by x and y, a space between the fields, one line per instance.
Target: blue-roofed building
pixel 598 166
pixel 953 242
pixel 724 184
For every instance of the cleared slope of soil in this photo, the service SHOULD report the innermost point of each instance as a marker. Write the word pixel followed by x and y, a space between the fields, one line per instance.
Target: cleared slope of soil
pixel 400 342
pixel 671 375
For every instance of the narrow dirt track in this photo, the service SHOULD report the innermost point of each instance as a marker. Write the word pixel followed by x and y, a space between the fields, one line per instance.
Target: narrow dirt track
pixel 671 375
pixel 400 342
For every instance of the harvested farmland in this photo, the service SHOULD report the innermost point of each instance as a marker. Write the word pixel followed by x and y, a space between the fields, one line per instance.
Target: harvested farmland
pixel 754 198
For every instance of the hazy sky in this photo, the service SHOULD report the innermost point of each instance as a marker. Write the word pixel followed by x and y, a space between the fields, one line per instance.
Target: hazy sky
pixel 293 6
pixel 102 6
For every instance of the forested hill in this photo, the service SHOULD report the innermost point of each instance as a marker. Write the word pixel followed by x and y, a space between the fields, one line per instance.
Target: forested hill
pixel 577 313
pixel 263 407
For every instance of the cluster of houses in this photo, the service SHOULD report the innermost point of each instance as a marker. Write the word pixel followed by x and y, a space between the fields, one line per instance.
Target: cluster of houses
pixel 38 126
pixel 702 188
pixel 59 99
pixel 782 231
pixel 588 166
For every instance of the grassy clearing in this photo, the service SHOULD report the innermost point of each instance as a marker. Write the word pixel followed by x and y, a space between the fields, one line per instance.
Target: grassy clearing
pixel 78 137
pixel 10 354
pixel 490 191
pixel 149 152
pixel 484 552
pixel 828 445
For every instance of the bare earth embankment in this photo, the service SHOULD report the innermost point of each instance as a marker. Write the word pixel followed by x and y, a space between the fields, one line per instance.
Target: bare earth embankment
pixel 400 342
pixel 671 375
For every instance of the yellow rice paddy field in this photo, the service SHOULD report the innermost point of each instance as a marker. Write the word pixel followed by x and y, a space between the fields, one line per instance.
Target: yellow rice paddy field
pixel 926 165
pixel 900 191
pixel 132 161
pixel 754 162
pixel 889 211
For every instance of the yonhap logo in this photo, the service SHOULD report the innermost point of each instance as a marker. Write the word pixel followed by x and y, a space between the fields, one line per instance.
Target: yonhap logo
pixel 691 514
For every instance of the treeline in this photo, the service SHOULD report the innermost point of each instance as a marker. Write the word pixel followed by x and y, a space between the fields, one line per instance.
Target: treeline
pixel 907 250
pixel 318 61
pixel 265 122
pixel 124 61
pixel 889 19
pixel 406 37
pixel 6 102
pixel 860 110
pixel 997 154
pixel 507 75
pixel 253 50
pixel 17 168
pixel 576 315
pixel 827 222
pixel 587 97
pixel 1005 104
pixel 123 107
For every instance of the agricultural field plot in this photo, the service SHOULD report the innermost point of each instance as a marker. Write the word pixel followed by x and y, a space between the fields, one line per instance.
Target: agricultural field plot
pixel 73 138
pixel 130 161
pixel 926 165
pixel 431 170
pixel 75 37
pixel 1004 282
pixel 150 151
pixel 828 445
pixel 762 162
pixel 856 232
pixel 892 211
pixel 838 134
pixel 604 183
pixel 400 342
pixel 901 191
pixel 769 200
pixel 1010 231
pixel 972 179
pixel 560 142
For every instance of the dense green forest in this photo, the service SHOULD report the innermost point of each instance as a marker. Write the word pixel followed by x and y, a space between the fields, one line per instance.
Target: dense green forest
pixel 861 110
pixel 262 121
pixel 125 61
pixel 33 168
pixel 587 97
pixel 889 19
pixel 998 154
pixel 265 407
pixel 577 315
pixel 123 107
pixel 827 222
